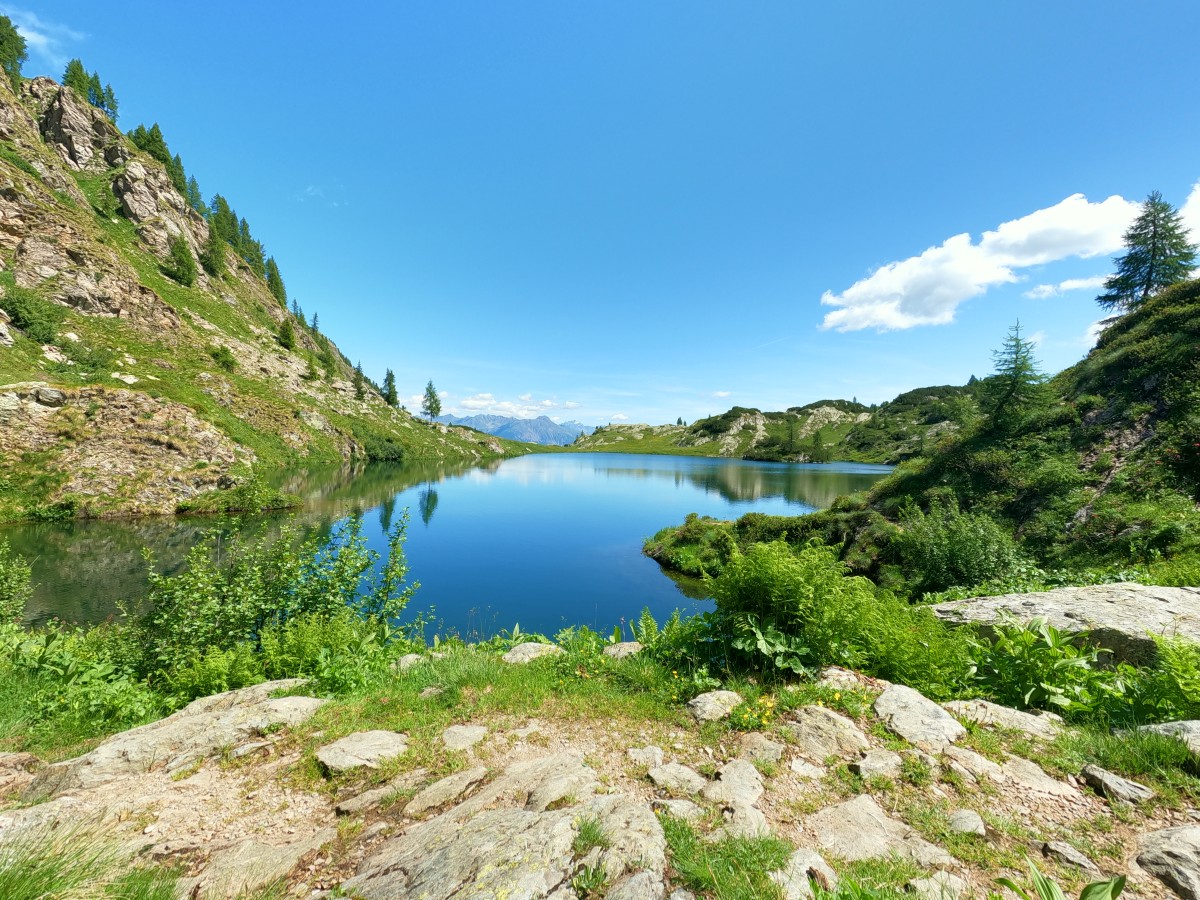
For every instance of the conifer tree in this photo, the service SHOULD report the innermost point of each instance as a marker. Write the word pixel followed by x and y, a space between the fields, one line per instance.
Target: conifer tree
pixel 223 219
pixel 431 405
pixel 360 391
pixel 212 256
pixel 12 52
pixel 194 198
pixel 1158 255
pixel 75 77
pixel 180 265
pixel 389 389
pixel 313 327
pixel 1018 388
pixel 276 286
pixel 287 335
pixel 109 104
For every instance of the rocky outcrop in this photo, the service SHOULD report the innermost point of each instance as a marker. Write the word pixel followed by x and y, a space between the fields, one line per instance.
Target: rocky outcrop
pixel 1119 617
pixel 198 730
pixel 148 198
pixel 83 136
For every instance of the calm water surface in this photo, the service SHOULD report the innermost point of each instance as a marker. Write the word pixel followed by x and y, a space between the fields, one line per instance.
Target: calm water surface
pixel 544 540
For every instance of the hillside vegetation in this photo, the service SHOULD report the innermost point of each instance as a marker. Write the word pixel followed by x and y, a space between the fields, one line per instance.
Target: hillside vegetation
pixel 1099 480
pixel 817 432
pixel 144 358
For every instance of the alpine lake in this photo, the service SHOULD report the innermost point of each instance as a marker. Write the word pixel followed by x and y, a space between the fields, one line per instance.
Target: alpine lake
pixel 541 541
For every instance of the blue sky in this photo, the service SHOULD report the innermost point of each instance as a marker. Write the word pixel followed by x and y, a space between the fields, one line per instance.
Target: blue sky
pixel 633 211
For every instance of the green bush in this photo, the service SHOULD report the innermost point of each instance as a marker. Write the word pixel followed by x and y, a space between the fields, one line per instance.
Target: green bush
pixel 37 317
pixel 181 265
pixel 223 357
pixel 16 586
pixel 947 548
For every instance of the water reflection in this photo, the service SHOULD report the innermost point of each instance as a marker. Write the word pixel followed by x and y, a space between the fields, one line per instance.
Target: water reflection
pixel 544 540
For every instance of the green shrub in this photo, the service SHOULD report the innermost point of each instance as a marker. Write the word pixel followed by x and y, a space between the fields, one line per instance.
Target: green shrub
pixel 339 652
pixel 213 670
pixel 37 317
pixel 1037 666
pixel 181 265
pixel 946 547
pixel 223 357
pixel 16 586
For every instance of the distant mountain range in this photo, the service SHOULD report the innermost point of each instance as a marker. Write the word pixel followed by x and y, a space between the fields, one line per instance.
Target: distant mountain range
pixel 536 431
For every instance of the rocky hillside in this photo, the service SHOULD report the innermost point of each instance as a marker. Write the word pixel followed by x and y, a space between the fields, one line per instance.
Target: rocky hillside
pixel 818 432
pixel 123 389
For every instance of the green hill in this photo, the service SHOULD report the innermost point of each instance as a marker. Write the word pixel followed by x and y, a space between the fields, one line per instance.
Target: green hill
pixel 144 359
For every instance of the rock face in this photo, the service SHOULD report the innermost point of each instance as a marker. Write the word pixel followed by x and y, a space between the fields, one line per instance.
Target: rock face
pixel 819 732
pixel 859 829
pixel 505 841
pixel 199 729
pixel 1172 855
pixel 1119 617
pixel 917 719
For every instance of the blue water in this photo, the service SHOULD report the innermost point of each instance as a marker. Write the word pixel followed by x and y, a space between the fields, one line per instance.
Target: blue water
pixel 542 541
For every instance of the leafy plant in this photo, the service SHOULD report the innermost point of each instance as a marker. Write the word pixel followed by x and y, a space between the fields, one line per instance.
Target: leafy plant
pixel 1047 889
pixel 753 715
pixel 16 586
pixel 223 357
pixel 946 547
pixel 37 317
pixel 1037 666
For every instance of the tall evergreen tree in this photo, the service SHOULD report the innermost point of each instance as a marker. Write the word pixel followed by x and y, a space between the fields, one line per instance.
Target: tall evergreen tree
pixel 76 77
pixel 276 287
pixel 313 326
pixel 360 383
pixel 180 264
pixel 389 389
pixel 223 219
pixel 212 256
pixel 1158 255
pixel 1018 388
pixel 287 334
pixel 12 52
pixel 431 405
pixel 177 175
pixel 194 198
pixel 109 104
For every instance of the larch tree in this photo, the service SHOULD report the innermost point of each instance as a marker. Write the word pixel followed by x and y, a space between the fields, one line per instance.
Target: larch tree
pixel 1158 254
pixel 431 405
pixel 275 282
pixel 13 52
pixel 389 389
pixel 1018 388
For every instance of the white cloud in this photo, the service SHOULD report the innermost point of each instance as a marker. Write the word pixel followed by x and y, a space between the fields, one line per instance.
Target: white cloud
pixel 618 417
pixel 1037 338
pixel 722 393
pixel 1043 291
pixel 46 40
pixel 927 289
pixel 1094 331
pixel 524 407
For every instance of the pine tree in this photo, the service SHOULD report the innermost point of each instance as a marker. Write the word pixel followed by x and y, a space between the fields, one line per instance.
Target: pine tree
pixel 177 175
pixel 212 257
pixel 180 264
pixel 194 198
pixel 679 421
pixel 389 389
pixel 431 405
pixel 1158 255
pixel 76 78
pixel 275 285
pixel 1018 388
pixel 110 103
pixel 360 383
pixel 287 335
pixel 12 52
pixel 313 327
pixel 223 219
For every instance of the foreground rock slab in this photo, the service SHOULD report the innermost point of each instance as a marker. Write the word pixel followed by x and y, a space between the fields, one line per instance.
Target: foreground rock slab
pixel 917 719
pixel 1044 726
pixel 859 829
pixel 364 749
pixel 1114 787
pixel 1172 855
pixel 1120 617
pixel 819 732
pixel 1187 731
pixel 198 730
pixel 801 870
pixel 506 841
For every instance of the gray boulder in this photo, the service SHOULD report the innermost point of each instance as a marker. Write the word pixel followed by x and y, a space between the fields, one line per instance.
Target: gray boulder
pixel 678 779
pixel 819 732
pixel 859 829
pixel 878 764
pixel 528 652
pixel 802 868
pixel 1119 617
pixel 1172 855
pixel 737 784
pixel 1041 725
pixel 757 746
pixel 622 650
pixel 939 886
pixel 362 750
pixel 1065 853
pixel 650 757
pixel 917 719
pixel 452 787
pixel 463 737
pixel 713 705
pixel 1114 787
pixel 967 821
